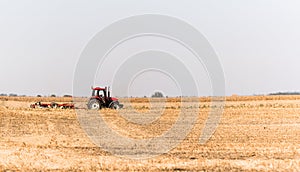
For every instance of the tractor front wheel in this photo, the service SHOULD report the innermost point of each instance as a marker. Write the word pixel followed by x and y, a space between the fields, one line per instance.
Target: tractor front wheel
pixel 94 104
pixel 114 105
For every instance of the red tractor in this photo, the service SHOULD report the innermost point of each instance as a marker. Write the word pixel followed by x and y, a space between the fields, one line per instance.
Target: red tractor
pixel 101 99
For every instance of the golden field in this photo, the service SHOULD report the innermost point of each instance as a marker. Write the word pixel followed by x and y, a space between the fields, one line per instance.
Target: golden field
pixel 256 133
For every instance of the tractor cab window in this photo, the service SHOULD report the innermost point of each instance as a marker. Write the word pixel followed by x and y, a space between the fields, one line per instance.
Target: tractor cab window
pixel 94 93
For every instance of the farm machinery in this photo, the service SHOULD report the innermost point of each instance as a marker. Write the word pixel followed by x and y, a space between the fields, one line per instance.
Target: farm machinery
pixel 53 105
pixel 101 99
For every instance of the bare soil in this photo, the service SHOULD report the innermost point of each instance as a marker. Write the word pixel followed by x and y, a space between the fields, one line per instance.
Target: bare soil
pixel 255 134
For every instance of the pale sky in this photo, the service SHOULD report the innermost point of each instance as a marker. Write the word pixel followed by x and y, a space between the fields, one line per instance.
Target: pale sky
pixel 257 41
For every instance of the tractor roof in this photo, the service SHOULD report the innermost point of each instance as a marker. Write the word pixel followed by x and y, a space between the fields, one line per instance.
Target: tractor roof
pixel 98 88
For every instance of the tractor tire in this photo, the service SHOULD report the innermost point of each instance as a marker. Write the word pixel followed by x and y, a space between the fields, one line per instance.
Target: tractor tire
pixel 114 105
pixel 94 104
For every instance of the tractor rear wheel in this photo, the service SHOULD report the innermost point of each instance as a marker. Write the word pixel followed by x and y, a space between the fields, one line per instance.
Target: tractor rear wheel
pixel 94 104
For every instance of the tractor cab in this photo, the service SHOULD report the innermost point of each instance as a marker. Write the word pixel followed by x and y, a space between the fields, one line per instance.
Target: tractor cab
pixel 102 94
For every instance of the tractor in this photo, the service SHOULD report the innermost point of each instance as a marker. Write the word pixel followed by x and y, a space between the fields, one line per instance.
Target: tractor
pixel 101 99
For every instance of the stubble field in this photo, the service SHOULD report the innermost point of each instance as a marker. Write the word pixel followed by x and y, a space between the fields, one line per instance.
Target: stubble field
pixel 259 133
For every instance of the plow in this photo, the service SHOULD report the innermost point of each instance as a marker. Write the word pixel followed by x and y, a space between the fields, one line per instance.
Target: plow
pixel 53 105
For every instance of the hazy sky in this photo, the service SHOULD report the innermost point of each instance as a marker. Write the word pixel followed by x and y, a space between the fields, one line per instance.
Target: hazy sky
pixel 257 41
